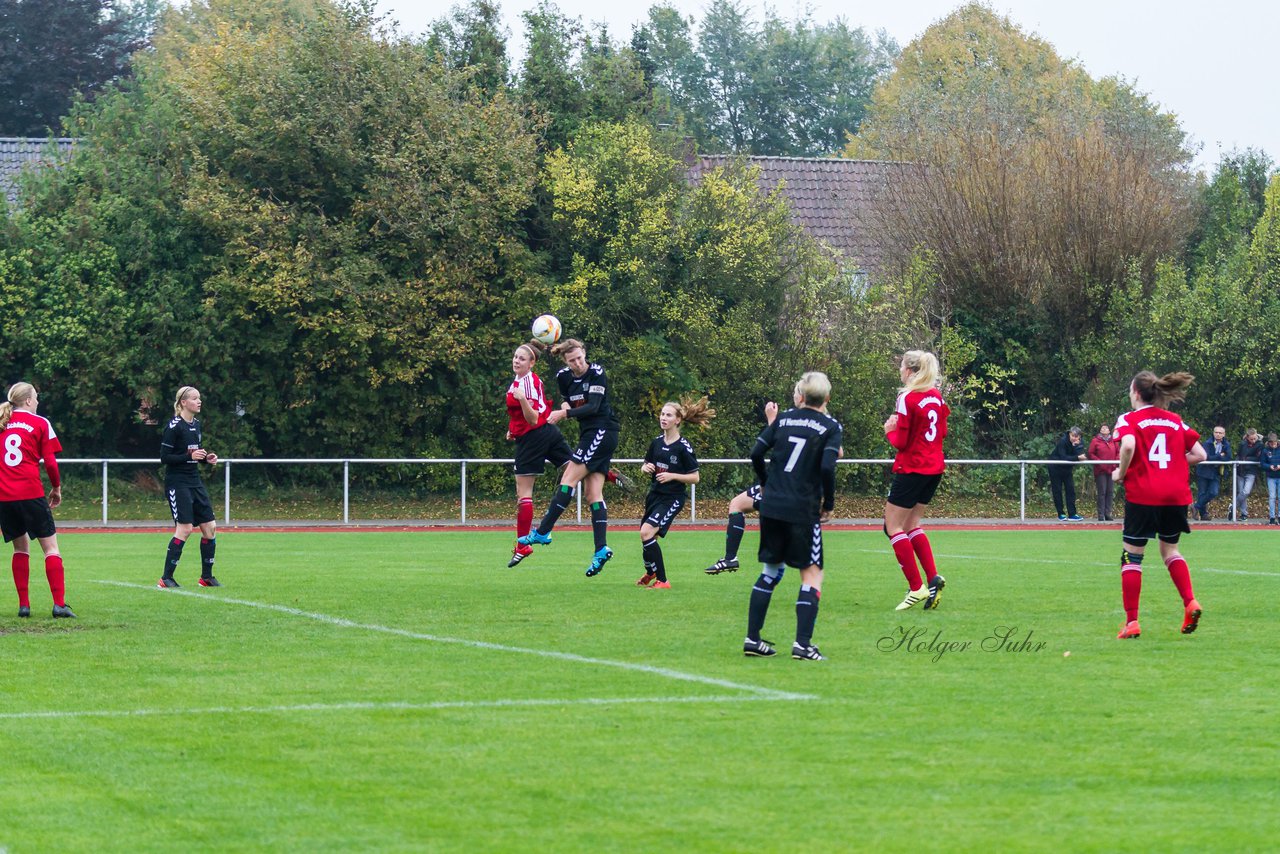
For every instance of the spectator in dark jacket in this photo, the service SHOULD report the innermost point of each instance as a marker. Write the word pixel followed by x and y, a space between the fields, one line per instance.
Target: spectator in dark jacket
pixel 1246 473
pixel 1269 463
pixel 1104 447
pixel 1209 477
pixel 1062 478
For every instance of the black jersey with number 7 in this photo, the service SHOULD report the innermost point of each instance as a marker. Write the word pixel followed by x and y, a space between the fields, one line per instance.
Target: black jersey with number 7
pixel 799 482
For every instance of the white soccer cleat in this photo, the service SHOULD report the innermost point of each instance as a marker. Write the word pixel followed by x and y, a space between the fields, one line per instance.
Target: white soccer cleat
pixel 913 598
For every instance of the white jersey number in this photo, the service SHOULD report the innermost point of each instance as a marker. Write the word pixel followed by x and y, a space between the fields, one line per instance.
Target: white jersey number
pixel 932 432
pixel 13 450
pixel 799 442
pixel 1159 454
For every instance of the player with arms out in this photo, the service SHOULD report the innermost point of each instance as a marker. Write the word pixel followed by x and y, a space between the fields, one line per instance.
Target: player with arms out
pixel 673 464
pixel 585 392
pixel 26 439
pixel 799 495
pixel 1157 451
pixel 182 451
pixel 916 430
pixel 747 500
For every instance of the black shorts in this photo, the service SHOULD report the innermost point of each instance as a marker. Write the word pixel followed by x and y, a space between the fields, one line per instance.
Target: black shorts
pixel 754 492
pixel 661 510
pixel 536 447
pixel 1147 521
pixel 189 505
pixel 909 489
pixel 595 449
pixel 29 516
pixel 797 544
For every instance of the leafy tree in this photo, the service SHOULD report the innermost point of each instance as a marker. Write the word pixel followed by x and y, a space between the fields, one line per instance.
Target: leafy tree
pixel 473 38
pixel 1230 205
pixel 52 51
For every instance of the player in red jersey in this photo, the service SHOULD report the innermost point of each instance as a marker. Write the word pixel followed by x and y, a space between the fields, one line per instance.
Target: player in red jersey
pixel 1157 451
pixel 27 439
pixel 916 430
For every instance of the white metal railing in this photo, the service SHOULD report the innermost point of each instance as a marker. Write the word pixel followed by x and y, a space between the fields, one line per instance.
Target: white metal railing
pixel 462 464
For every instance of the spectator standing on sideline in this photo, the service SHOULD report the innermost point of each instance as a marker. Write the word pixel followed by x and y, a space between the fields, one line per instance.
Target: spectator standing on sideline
pixel 1248 453
pixel 1062 478
pixel 1104 447
pixel 1209 478
pixel 1269 463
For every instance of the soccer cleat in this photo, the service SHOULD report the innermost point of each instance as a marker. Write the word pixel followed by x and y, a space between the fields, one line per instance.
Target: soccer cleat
pixel 208 581
pixel 24 610
pixel 724 564
pixel 646 579
pixel 806 653
pixel 533 538
pixel 1075 517
pixel 935 592
pixel 598 560
pixel 1131 630
pixel 63 611
pixel 758 648
pixel 519 554
pixel 167 582
pixel 913 597
pixel 1191 618
pixel 623 482
pixel 661 585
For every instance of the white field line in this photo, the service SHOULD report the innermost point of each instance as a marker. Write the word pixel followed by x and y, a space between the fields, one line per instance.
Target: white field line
pixel 665 672
pixel 1112 564
pixel 390 707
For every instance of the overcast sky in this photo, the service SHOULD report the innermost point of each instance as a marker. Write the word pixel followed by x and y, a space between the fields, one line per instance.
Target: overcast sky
pixel 1210 63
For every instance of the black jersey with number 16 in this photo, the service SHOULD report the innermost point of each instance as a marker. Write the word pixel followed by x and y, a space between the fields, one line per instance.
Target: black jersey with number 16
pixel 799 482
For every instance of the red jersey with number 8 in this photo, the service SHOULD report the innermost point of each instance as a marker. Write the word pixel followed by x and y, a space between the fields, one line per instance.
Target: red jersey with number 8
pixel 25 441
pixel 1158 474
pixel 922 425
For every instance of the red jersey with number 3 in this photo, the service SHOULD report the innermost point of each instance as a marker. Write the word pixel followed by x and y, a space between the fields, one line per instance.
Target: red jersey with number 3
pixel 1158 474
pixel 532 385
pixel 922 425
pixel 25 441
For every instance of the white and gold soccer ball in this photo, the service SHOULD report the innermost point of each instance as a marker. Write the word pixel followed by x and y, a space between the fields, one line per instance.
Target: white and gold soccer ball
pixel 546 328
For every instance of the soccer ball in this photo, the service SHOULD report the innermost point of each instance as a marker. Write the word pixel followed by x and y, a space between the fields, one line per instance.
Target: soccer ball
pixel 546 328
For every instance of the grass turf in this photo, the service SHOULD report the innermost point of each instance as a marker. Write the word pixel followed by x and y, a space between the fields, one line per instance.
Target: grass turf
pixel 389 697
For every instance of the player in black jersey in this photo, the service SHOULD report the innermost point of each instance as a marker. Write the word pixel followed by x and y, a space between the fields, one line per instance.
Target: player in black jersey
pixel 746 500
pixel 584 391
pixel 182 451
pixel 799 495
pixel 673 463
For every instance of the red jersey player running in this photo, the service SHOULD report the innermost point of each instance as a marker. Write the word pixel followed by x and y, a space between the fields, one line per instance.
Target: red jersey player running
pixel 1157 450
pixel 916 430
pixel 27 439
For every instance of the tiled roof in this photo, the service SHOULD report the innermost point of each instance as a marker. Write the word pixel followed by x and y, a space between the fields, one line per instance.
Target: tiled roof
pixel 17 153
pixel 834 200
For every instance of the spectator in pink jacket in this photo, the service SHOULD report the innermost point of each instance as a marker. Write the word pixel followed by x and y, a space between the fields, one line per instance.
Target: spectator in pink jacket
pixel 1104 447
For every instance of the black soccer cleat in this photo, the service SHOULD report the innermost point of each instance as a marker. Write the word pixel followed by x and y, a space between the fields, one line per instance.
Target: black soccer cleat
pixel 806 653
pixel 935 592
pixel 167 583
pixel 724 564
pixel 24 610
pixel 758 648
pixel 209 581
pixel 63 611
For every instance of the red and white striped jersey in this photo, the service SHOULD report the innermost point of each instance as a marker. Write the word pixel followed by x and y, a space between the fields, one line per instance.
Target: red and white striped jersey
pixel 532 385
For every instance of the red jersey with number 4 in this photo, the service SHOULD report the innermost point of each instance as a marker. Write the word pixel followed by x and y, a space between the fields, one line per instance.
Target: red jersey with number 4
pixel 1158 474
pixel 25 441
pixel 532 385
pixel 922 425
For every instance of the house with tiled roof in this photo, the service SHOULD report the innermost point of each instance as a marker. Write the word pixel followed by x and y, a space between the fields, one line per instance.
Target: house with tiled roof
pixel 832 199
pixel 22 152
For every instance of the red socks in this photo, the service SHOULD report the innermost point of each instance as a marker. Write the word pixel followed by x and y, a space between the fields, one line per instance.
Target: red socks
pixel 1131 589
pixel 524 516
pixel 906 556
pixel 924 551
pixel 1181 575
pixel 21 577
pixel 53 572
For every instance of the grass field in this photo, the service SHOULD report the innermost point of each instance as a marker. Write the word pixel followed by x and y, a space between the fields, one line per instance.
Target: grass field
pixel 351 691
